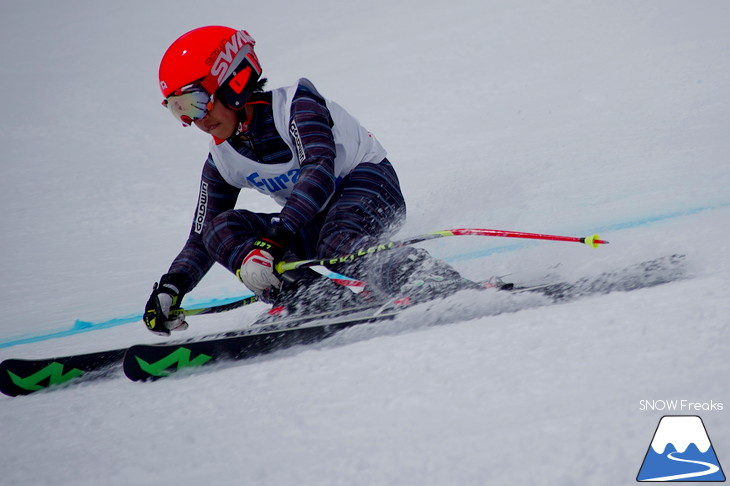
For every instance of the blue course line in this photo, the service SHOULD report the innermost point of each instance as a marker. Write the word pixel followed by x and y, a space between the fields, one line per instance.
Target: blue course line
pixel 83 326
pixel 477 254
pixel 79 327
pixel 648 220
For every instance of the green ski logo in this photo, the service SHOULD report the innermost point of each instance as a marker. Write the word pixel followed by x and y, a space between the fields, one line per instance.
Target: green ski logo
pixel 181 357
pixel 54 373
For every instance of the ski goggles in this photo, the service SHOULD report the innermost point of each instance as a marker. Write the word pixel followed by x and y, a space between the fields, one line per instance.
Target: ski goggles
pixel 189 103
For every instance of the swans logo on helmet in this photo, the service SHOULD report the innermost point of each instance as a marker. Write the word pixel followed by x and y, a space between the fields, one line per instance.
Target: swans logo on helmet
pixel 222 57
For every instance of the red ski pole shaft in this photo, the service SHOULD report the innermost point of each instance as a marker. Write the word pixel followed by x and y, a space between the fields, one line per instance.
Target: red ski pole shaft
pixel 592 240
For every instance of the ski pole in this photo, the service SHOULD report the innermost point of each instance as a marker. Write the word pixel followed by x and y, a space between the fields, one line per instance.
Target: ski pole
pixel 356 286
pixel 216 308
pixel 593 241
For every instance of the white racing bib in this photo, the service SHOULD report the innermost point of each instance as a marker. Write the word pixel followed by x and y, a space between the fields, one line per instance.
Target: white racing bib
pixel 353 145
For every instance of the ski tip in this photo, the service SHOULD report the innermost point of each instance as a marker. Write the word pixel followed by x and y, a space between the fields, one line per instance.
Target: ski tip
pixel 594 241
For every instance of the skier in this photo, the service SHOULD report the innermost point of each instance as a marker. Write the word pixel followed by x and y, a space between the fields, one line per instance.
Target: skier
pixel 337 189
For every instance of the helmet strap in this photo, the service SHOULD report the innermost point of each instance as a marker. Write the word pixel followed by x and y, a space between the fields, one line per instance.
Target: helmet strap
pixel 248 109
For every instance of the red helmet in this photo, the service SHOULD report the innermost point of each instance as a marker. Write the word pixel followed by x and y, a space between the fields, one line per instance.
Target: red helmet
pixel 219 59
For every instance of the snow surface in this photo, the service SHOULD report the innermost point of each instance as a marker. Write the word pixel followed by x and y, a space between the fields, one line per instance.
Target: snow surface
pixel 554 116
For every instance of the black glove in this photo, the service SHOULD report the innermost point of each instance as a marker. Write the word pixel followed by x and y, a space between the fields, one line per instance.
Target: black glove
pixel 162 312
pixel 274 239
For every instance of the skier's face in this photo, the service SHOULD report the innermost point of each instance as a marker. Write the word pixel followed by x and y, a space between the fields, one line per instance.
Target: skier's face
pixel 221 121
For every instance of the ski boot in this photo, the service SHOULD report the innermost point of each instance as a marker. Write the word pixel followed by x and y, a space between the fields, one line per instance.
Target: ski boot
pixel 304 292
pixel 414 274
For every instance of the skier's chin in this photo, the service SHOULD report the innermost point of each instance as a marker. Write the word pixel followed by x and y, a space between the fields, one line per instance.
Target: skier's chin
pixel 219 130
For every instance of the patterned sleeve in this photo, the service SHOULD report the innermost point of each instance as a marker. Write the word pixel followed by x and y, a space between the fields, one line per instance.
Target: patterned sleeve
pixel 316 182
pixel 215 197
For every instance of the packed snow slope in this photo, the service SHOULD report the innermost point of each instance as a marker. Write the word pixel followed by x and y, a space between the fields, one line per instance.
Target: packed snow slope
pixel 554 116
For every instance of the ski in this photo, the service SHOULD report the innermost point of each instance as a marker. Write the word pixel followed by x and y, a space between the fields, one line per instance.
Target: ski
pixel 153 361
pixel 641 275
pixel 25 376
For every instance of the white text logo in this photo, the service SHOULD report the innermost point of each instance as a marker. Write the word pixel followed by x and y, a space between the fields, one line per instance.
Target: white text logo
pixel 228 51
pixel 202 207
